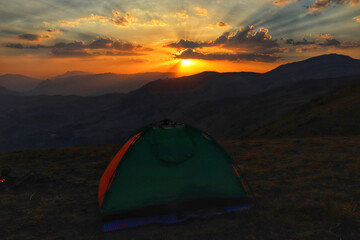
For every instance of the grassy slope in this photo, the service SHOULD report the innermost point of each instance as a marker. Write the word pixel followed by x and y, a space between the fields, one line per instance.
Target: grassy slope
pixel 305 189
pixel 335 114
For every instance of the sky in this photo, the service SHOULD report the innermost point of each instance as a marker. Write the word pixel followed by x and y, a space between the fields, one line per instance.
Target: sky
pixel 44 38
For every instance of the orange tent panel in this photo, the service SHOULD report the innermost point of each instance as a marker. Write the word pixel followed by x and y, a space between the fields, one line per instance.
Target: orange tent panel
pixel 109 173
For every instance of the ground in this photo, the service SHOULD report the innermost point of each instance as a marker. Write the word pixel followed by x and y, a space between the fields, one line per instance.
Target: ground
pixel 305 188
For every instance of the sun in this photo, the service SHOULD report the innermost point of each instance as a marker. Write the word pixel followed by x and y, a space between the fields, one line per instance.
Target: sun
pixel 186 62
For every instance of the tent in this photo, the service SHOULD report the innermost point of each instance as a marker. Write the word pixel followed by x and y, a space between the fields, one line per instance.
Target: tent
pixel 169 172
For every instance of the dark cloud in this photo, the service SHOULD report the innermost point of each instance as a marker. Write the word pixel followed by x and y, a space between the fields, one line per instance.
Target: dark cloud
pixel 222 24
pixel 188 44
pixel 14 45
pixel 330 42
pixel 107 43
pixel 350 44
pixel 21 46
pixel 75 45
pixel 125 46
pixel 30 37
pixel 257 44
pixel 326 41
pixel 54 30
pixel 104 46
pixel 100 43
pixel 257 57
pixel 296 43
pixel 246 37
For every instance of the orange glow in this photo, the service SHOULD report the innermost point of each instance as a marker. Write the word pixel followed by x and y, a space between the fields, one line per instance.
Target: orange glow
pixel 186 62
pixel 2 180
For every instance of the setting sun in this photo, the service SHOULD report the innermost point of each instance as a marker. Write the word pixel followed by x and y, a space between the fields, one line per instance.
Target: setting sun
pixel 186 62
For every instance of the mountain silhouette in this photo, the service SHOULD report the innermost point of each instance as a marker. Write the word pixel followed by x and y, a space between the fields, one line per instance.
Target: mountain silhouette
pixel 71 74
pixel 226 105
pixel 5 91
pixel 18 82
pixel 336 113
pixel 87 84
pixel 324 66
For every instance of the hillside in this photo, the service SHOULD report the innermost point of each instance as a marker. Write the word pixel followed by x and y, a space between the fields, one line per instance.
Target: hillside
pixel 300 192
pixel 226 105
pixel 238 116
pixel 336 114
pixel 5 91
pixel 324 66
pixel 88 84
pixel 18 82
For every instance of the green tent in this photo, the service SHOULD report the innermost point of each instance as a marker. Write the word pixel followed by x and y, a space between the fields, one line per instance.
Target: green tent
pixel 167 168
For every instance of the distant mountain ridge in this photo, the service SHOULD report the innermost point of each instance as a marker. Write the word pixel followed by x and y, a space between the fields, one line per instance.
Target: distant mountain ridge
pixel 87 84
pixel 18 82
pixel 226 105
pixel 336 113
pixel 5 91
pixel 324 66
pixel 71 74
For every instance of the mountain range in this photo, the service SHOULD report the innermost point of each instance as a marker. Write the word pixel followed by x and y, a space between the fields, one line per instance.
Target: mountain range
pixel 80 83
pixel 18 82
pixel 226 105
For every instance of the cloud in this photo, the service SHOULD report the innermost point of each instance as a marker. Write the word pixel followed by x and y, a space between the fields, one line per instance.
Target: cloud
pixel 309 48
pixel 281 2
pixel 244 38
pixel 222 24
pixel 156 22
pixel 248 37
pixel 329 42
pixel 245 44
pixel 357 18
pixel 296 43
pixel 322 4
pixel 75 45
pixel 325 35
pixel 54 30
pixel 32 37
pixel 21 46
pixel 118 19
pixel 188 44
pixel 318 4
pixel 97 47
pixel 349 44
pixel 257 57
pixel 122 20
pixel 182 15
pixel 108 43
pixel 201 11
pixel 324 42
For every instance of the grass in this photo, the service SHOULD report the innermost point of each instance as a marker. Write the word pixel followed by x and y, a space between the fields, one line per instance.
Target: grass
pixel 304 189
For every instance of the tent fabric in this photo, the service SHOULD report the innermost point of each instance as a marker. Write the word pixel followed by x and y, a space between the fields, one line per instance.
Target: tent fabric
pixel 108 175
pixel 169 168
pixel 167 219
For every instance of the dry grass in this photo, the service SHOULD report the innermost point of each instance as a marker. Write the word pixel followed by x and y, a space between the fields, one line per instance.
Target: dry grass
pixel 304 189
